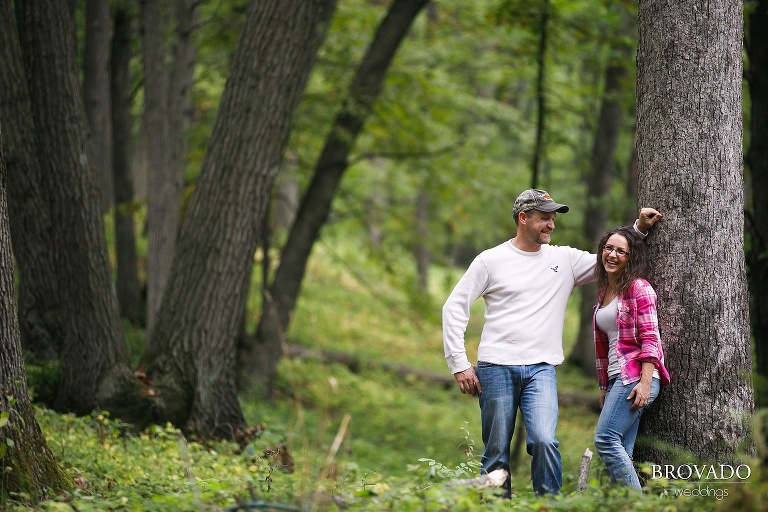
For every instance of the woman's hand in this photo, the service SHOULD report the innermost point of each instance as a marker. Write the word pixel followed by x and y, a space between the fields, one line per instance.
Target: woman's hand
pixel 603 392
pixel 641 394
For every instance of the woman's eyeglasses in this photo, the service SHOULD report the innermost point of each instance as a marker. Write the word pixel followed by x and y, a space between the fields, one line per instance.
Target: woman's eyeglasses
pixel 619 252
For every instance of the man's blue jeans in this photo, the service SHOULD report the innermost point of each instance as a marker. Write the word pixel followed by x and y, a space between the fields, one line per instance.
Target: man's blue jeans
pixel 616 431
pixel 532 389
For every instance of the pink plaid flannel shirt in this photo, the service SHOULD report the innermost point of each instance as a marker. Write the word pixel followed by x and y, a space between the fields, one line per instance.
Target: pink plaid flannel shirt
pixel 639 339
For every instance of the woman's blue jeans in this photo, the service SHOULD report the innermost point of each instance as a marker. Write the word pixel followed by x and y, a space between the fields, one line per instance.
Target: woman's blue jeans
pixel 616 431
pixel 532 389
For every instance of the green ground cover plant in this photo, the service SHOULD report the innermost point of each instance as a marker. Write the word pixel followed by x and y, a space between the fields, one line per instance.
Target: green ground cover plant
pixel 407 439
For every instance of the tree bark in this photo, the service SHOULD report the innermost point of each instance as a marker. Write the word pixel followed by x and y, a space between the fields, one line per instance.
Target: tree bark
pixel 757 161
pixel 630 188
pixel 689 139
pixel 191 359
pixel 128 288
pixel 26 463
pixel 30 213
pixel 162 202
pixel 599 182
pixel 98 30
pixel 94 370
pixel 280 299
pixel 180 91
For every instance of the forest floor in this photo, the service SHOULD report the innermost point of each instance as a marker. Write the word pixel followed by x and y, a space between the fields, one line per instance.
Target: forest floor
pixel 338 439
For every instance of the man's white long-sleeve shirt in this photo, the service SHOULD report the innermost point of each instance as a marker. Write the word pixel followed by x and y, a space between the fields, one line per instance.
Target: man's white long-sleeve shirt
pixel 525 297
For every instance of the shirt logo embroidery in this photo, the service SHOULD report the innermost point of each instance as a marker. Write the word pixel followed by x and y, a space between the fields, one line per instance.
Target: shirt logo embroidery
pixel 555 268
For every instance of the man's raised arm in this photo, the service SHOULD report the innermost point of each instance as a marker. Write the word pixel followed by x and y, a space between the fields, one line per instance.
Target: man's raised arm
pixel 645 220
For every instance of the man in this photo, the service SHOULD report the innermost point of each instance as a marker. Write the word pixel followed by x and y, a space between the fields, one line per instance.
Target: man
pixel 525 283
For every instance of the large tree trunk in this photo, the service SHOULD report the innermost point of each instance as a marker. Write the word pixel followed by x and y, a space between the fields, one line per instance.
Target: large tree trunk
pixel 93 360
pixel 757 161
pixel 257 362
pixel 96 92
pixel 600 179
pixel 689 139
pixel 30 213
pixel 128 288
pixel 162 198
pixel 26 463
pixel 191 359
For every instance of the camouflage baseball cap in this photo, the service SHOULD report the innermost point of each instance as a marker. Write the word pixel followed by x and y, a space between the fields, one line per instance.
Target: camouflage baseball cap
pixel 535 199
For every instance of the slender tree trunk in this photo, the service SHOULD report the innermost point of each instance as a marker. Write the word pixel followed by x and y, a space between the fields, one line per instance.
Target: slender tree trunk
pixel 689 139
pixel 180 91
pixel 541 95
pixel 281 296
pixel 421 247
pixel 26 464
pixel 421 251
pixel 167 114
pixel 599 182
pixel 128 288
pixel 30 213
pixel 191 359
pixel 757 160
pixel 98 30
pixel 163 210
pixel 94 366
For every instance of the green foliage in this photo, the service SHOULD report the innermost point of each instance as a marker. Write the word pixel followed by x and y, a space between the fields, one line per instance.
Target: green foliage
pixel 155 470
pixel 456 120
pixel 408 441
pixel 42 379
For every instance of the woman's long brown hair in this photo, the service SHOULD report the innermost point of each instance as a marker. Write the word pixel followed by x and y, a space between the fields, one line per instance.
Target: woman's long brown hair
pixel 637 260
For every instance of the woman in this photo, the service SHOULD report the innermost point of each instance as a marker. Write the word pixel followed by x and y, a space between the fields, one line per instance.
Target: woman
pixel 630 361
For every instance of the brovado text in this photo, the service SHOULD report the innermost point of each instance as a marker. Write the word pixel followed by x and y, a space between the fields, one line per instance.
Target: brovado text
pixel 702 472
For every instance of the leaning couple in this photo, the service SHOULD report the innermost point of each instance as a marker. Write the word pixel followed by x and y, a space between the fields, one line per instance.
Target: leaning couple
pixel 525 283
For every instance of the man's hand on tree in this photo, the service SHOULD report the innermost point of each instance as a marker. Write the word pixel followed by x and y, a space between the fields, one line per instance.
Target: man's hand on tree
pixel 647 218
